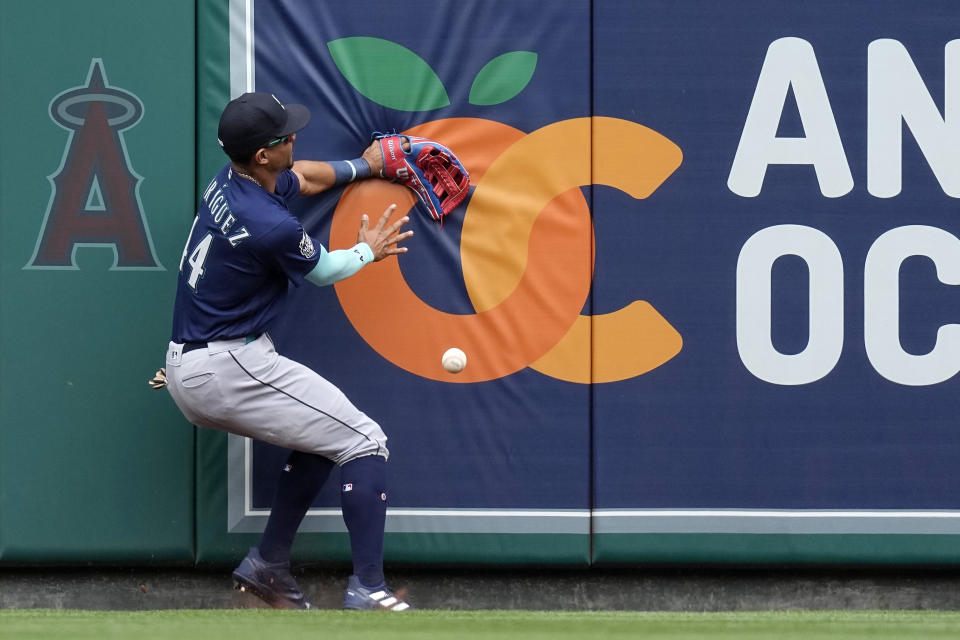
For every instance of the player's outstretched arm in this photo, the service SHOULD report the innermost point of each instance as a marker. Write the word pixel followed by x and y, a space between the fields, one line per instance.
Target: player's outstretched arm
pixel 317 176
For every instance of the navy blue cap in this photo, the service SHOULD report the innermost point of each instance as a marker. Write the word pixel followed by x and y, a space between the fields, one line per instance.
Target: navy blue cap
pixel 254 119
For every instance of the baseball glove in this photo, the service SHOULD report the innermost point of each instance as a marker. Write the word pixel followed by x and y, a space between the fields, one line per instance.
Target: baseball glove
pixel 430 169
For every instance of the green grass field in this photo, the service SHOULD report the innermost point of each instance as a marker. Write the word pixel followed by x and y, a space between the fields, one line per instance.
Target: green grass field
pixel 265 624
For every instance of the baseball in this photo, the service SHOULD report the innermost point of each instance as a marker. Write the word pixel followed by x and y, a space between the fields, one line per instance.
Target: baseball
pixel 454 360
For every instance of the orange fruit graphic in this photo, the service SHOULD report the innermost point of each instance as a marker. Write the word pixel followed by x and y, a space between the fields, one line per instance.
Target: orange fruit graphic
pixel 527 256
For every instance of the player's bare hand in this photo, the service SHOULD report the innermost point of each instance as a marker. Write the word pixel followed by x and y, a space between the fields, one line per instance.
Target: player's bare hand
pixel 374 156
pixel 383 238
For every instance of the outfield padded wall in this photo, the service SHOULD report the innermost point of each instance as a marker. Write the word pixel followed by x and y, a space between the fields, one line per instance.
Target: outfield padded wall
pixel 785 442
pixel 704 279
pixel 94 466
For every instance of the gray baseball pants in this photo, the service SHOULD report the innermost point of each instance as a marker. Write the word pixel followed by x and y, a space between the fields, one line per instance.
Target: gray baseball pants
pixel 251 390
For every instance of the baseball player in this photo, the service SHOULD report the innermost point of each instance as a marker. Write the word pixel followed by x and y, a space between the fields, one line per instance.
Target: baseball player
pixel 244 250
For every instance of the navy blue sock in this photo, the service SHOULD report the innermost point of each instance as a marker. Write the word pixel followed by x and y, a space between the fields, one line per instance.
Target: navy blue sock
pixel 300 481
pixel 363 499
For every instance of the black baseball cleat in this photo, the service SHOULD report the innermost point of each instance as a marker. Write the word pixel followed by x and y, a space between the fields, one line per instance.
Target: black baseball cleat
pixel 361 597
pixel 271 582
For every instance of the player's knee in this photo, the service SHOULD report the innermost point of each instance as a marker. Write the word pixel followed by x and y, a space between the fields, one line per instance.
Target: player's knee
pixel 373 444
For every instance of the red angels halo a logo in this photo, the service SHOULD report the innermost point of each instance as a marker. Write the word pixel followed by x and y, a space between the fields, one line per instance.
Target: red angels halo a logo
pixel 94 199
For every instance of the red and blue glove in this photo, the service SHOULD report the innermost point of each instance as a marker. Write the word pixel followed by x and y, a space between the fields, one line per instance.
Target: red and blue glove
pixel 430 169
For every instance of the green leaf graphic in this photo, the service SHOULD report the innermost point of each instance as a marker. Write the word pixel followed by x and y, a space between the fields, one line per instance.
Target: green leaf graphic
pixel 503 77
pixel 388 73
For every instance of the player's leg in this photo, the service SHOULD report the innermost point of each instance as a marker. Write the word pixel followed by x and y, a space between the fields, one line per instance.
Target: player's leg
pixel 280 401
pixel 283 402
pixel 300 481
pixel 363 498
pixel 266 569
pixel 323 420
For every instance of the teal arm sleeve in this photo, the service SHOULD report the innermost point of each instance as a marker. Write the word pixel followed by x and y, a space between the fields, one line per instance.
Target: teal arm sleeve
pixel 334 266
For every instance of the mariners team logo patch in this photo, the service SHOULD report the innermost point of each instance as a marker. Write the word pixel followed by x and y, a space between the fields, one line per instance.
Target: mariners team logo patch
pixel 306 246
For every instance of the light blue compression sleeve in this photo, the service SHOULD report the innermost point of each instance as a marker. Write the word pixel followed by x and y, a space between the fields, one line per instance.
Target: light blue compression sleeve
pixel 334 266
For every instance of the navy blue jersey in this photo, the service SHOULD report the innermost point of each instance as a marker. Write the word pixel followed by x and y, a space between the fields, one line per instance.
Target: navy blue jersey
pixel 244 250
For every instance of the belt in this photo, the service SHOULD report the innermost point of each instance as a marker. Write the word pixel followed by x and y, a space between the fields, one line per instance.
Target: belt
pixel 193 346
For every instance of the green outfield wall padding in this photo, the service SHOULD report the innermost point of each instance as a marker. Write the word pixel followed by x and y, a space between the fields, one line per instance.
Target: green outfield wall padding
pixel 213 87
pixel 775 549
pixel 662 425
pixel 97 177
